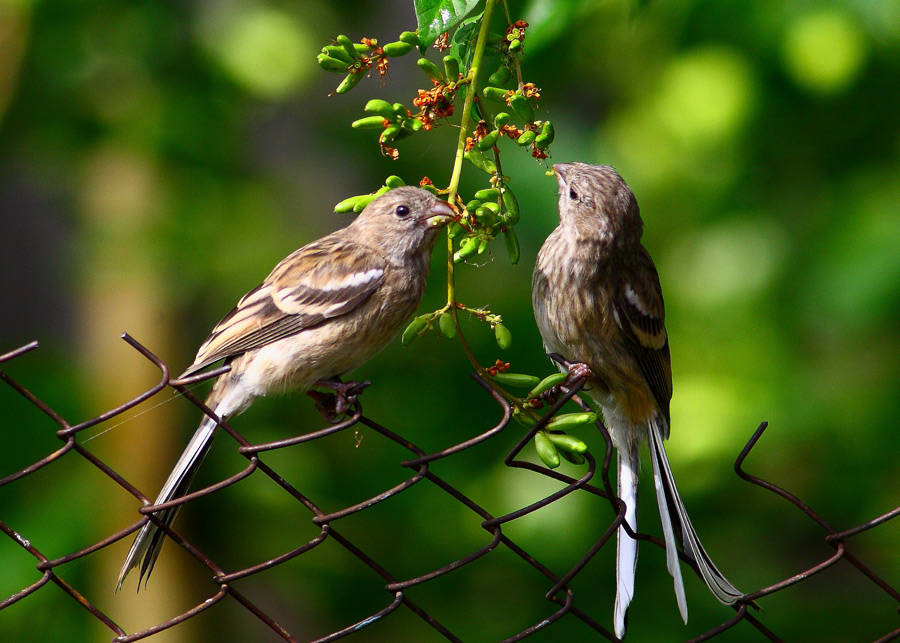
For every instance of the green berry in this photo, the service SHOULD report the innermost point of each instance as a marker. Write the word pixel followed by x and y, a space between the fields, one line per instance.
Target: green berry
pixel 503 336
pixel 380 107
pixel 500 76
pixel 546 450
pixel 430 69
pixel 369 122
pixel 447 326
pixel 410 37
pixel 516 379
pixel 347 44
pixel 489 141
pixel 511 241
pixel 412 331
pixel 487 194
pixel 522 107
pixel 396 49
pixel 349 82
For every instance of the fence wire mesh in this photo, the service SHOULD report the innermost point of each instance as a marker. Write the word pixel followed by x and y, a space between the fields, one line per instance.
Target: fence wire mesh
pixel 559 598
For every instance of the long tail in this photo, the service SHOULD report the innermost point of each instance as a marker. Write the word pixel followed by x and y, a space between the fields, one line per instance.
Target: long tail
pixel 626 546
pixel 675 520
pixel 148 543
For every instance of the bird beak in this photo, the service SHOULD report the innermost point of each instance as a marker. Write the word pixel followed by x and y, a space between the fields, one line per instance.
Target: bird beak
pixel 560 170
pixel 441 215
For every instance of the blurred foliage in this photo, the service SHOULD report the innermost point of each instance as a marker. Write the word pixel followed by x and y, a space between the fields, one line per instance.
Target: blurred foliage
pixel 197 140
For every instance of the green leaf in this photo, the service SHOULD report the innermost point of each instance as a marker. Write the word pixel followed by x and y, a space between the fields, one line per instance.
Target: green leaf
pixel 437 16
pixel 463 42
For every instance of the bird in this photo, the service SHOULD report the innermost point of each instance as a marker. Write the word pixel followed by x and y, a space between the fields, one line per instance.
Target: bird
pixel 323 310
pixel 598 302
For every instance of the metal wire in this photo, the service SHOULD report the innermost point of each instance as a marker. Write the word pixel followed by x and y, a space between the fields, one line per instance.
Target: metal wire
pixel 561 598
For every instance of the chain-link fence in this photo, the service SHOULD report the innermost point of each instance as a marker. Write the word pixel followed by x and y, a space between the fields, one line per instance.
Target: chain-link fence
pixel 560 599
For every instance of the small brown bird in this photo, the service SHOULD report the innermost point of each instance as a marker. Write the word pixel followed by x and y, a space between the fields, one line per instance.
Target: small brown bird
pixel 597 301
pixel 324 310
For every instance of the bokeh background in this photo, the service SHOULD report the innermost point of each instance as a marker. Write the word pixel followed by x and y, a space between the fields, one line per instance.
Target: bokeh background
pixel 157 158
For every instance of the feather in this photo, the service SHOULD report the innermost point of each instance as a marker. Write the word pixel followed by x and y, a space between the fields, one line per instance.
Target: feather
pixel 626 546
pixel 640 313
pixel 320 281
pixel 148 543
pixel 597 299
pixel 336 301
pixel 663 500
pixel 672 510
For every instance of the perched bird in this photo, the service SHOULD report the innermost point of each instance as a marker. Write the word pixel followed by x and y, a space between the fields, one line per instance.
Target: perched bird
pixel 597 301
pixel 324 310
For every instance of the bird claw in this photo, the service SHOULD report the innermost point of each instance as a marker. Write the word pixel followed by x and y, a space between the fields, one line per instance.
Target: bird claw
pixel 578 371
pixel 333 406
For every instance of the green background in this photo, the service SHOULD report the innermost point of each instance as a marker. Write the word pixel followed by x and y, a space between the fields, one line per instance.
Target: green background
pixel 158 158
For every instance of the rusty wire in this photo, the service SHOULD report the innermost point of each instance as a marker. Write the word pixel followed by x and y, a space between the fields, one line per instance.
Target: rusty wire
pixel 560 595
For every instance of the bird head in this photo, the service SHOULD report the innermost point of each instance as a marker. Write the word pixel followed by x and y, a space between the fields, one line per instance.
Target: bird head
pixel 403 221
pixel 594 200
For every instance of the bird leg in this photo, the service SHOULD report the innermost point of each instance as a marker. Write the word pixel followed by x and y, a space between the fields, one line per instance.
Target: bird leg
pixel 333 405
pixel 577 371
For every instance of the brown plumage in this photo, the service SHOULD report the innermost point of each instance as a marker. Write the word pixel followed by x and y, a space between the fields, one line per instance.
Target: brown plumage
pixel 597 301
pixel 324 310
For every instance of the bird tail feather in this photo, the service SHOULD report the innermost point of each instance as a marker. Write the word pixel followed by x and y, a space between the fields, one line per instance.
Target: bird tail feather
pixel 626 546
pixel 148 543
pixel 675 520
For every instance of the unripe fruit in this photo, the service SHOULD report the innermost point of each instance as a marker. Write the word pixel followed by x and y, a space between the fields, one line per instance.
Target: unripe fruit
pixel 412 331
pixel 487 194
pixel 542 141
pixel 546 450
pixel 516 379
pixel 430 69
pixel 547 383
pixel 503 336
pixel 569 420
pixel 467 248
pixel 347 44
pixel 446 326
pixel 451 68
pixel 410 37
pixel 349 82
pixel 396 49
pixel 527 138
pixel 521 107
pixel 495 93
pixel 369 122
pixel 489 141
pixel 380 107
pixel 511 241
pixel 568 442
pixel 328 63
pixel 500 76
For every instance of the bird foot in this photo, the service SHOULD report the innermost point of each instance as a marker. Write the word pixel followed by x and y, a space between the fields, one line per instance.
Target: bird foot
pixel 333 406
pixel 579 371
pixel 576 371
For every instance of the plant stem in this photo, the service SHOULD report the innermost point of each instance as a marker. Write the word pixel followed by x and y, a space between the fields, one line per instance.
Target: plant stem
pixel 471 91
pixel 516 60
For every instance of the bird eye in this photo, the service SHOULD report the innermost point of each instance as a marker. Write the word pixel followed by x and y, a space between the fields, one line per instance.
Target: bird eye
pixel 573 194
pixel 401 211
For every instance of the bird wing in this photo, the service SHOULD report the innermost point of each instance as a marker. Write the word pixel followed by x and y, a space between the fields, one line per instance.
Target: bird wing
pixel 325 279
pixel 640 313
